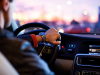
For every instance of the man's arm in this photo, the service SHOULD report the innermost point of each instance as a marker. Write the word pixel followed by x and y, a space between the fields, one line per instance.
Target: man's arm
pixel 24 58
pixel 51 37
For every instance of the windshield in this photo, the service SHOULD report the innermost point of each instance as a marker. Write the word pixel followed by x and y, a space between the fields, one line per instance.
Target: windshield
pixel 68 16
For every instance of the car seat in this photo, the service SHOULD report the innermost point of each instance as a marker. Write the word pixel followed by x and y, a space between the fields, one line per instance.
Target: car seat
pixel 5 67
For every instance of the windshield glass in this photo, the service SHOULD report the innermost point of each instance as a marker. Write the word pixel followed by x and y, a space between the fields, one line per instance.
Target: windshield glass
pixel 68 16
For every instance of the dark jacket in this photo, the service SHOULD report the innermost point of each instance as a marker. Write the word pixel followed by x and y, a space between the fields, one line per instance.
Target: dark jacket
pixel 22 56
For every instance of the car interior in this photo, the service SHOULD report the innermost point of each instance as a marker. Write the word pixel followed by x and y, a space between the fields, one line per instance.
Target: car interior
pixel 79 51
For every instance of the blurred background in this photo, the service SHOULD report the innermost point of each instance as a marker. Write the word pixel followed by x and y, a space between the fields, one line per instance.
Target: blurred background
pixel 67 16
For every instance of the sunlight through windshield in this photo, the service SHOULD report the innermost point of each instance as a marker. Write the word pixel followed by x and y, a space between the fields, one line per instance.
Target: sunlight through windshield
pixel 68 16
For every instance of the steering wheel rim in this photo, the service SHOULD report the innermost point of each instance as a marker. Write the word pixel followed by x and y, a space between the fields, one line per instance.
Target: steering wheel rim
pixel 55 47
pixel 34 24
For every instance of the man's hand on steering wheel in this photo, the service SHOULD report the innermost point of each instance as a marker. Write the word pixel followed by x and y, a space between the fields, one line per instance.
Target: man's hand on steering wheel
pixel 51 36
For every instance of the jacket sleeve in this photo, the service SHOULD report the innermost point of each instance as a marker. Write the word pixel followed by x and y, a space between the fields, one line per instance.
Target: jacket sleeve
pixel 25 37
pixel 25 58
pixel 31 38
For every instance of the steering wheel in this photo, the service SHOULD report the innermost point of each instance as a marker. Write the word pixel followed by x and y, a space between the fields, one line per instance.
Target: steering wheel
pixel 50 56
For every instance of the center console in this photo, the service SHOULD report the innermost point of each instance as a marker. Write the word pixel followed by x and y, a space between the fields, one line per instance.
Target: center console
pixel 86 64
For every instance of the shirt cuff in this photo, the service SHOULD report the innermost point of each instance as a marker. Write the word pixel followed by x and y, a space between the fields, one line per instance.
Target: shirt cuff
pixel 35 42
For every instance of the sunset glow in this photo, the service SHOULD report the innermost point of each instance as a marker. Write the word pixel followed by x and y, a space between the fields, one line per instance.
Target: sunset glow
pixel 54 10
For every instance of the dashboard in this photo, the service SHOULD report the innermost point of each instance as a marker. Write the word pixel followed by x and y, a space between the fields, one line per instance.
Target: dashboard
pixel 78 44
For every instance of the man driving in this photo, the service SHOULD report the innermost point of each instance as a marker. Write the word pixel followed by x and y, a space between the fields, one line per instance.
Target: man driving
pixel 20 53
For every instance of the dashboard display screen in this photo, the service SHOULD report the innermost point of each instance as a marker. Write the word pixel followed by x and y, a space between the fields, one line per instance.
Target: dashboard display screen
pixel 94 49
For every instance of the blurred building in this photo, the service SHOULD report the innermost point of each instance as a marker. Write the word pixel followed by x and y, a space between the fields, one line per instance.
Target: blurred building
pixel 99 18
pixel 98 26
pixel 74 22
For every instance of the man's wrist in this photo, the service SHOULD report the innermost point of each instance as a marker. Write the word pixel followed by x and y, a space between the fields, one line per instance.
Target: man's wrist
pixel 43 36
pixel 39 38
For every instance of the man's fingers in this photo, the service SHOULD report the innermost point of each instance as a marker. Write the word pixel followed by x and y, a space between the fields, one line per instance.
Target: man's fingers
pixel 56 42
pixel 58 31
pixel 59 37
